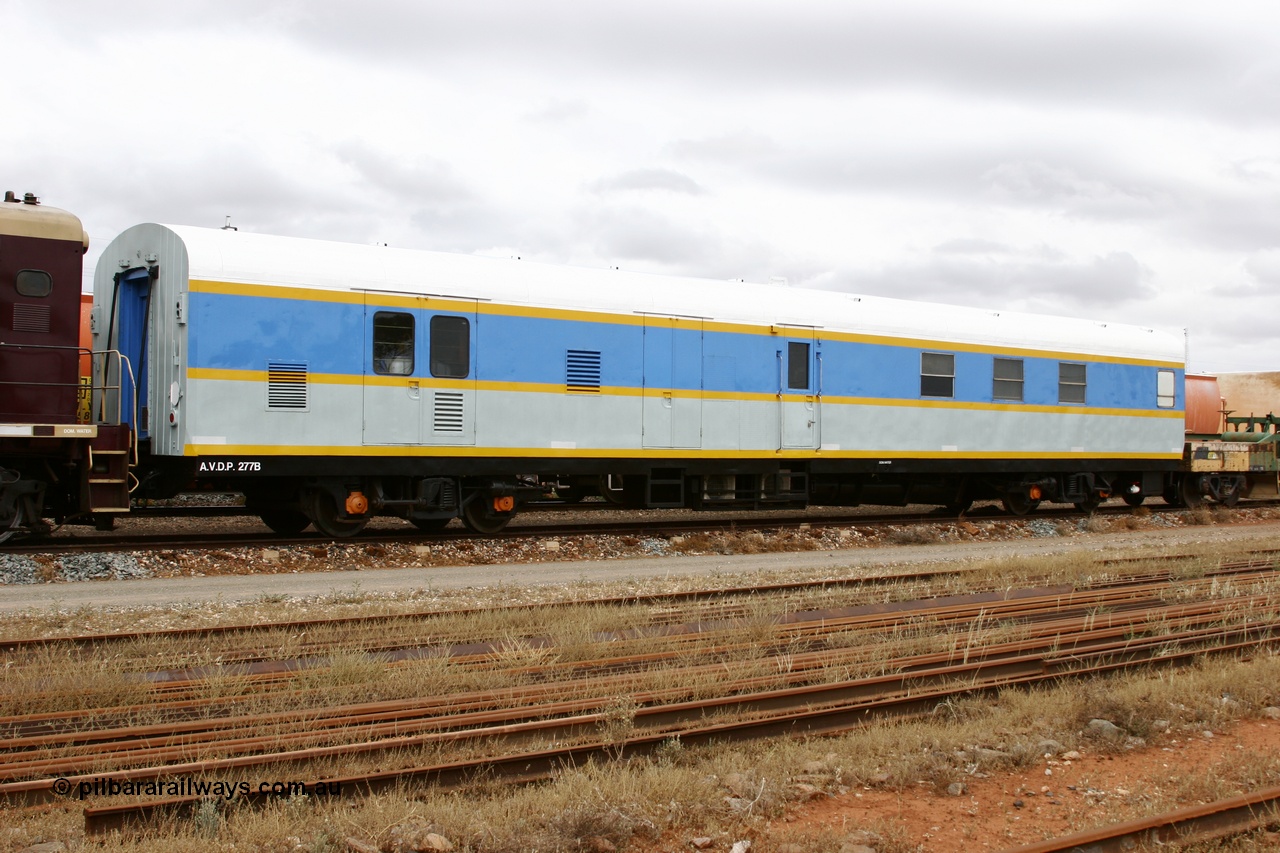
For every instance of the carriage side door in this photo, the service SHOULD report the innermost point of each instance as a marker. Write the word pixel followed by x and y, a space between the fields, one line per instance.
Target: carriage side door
pixel 799 391
pixel 393 374
pixel 672 414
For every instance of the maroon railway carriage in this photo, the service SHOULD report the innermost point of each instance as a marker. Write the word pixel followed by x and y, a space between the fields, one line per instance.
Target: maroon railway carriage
pixel 54 462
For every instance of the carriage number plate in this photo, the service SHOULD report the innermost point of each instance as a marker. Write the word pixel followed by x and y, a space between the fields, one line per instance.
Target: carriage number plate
pixel 240 466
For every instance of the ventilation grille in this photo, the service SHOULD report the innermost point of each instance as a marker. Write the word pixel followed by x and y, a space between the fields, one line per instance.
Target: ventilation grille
pixel 448 411
pixel 31 318
pixel 286 385
pixel 582 371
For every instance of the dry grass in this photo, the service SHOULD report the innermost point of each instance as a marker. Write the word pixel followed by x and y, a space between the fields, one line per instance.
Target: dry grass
pixel 737 791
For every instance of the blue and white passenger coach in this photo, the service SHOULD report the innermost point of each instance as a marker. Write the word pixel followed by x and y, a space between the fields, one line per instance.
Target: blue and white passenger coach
pixel 333 382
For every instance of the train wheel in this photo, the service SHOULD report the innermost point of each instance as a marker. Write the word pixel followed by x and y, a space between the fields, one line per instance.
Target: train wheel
pixel 430 525
pixel 613 495
pixel 1090 505
pixel 286 522
pixel 1019 504
pixel 1172 495
pixel 1132 499
pixel 324 515
pixel 478 516
pixel 571 494
pixel 1230 500
pixel 1189 492
pixel 11 523
pixel 958 507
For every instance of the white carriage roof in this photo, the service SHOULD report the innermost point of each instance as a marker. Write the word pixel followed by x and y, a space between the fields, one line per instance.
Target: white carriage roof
pixel 240 257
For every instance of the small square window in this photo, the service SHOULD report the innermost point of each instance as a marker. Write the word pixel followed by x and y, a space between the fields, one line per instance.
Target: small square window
pixel 1006 382
pixel 1071 382
pixel 937 374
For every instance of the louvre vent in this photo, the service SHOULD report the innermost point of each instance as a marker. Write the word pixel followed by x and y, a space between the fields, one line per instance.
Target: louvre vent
pixel 286 385
pixel 448 411
pixel 582 371
pixel 31 318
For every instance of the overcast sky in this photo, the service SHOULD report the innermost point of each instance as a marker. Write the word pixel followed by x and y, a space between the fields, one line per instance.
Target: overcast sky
pixel 1112 160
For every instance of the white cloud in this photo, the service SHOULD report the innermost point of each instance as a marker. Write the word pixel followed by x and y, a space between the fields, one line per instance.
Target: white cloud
pixel 1112 160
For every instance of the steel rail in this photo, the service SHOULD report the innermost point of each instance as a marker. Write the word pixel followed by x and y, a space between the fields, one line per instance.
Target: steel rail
pixel 1127 649
pixel 391 620
pixel 941 610
pixel 809 626
pixel 366 722
pixel 523 527
pixel 13 645
pixel 520 528
pixel 1211 821
pixel 1051 643
pixel 796 714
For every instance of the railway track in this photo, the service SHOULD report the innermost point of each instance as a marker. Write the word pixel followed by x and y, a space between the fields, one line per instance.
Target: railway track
pixel 1202 823
pixel 540 524
pixel 765 673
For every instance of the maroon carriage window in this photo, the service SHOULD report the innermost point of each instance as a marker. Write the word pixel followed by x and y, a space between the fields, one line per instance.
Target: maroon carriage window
pixel 34 283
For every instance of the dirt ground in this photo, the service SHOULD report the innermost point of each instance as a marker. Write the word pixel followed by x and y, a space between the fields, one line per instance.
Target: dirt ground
pixel 1055 798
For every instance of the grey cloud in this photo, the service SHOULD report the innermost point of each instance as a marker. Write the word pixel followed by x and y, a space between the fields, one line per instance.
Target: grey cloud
pixel 649 179
pixel 558 110
pixel 635 237
pixel 1141 61
pixel 1039 184
pixel 1237 219
pixel 1053 177
pixel 1264 267
pixel 416 177
pixel 637 234
pixel 463 228
pixel 1138 59
pixel 739 147
pixel 1027 282
pixel 970 246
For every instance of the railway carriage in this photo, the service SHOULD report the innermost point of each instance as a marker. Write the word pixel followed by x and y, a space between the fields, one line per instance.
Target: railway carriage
pixel 333 382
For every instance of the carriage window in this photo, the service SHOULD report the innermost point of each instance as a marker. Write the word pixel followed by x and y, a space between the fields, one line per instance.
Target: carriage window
pixel 1071 382
pixel 937 374
pixel 34 283
pixel 1166 389
pixel 393 343
pixel 1006 383
pixel 450 347
pixel 797 365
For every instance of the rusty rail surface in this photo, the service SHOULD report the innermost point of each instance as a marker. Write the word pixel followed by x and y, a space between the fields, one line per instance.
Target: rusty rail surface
pixel 1024 604
pixel 1217 820
pixel 810 627
pixel 530 526
pixel 93 641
